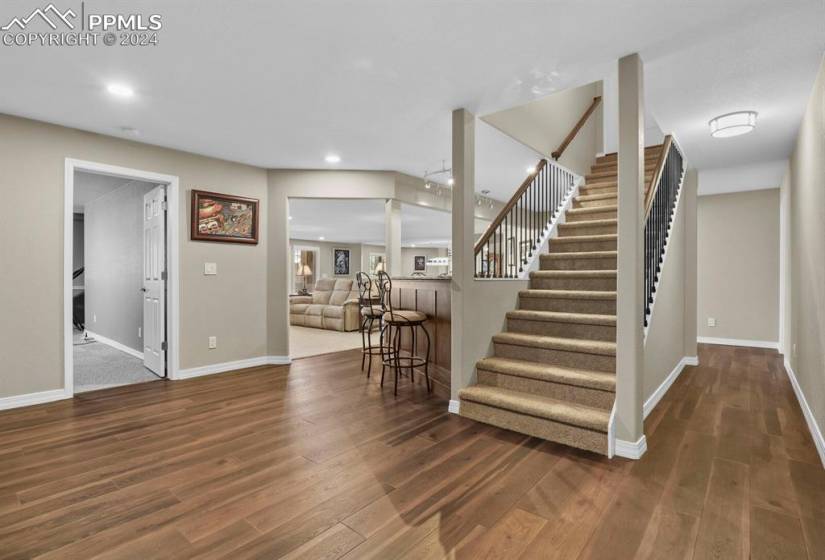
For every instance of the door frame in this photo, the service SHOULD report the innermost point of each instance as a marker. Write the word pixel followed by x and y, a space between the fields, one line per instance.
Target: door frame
pixel 172 255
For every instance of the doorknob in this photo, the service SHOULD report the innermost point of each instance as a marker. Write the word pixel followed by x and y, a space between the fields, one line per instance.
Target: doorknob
pixel 143 289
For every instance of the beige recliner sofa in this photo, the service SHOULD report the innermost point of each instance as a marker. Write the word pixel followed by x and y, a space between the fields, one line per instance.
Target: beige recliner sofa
pixel 333 305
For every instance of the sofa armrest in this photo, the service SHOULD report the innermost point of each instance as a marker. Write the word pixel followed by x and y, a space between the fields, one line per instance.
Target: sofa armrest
pixel 351 302
pixel 300 299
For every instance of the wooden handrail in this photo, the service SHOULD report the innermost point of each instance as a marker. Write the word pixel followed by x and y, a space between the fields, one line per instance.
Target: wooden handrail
pixel 563 146
pixel 657 174
pixel 507 207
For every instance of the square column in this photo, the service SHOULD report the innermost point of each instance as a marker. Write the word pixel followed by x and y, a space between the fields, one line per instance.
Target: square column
pixel 630 273
pixel 392 236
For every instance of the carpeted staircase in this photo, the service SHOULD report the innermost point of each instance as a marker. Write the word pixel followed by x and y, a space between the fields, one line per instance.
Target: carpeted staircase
pixel 552 374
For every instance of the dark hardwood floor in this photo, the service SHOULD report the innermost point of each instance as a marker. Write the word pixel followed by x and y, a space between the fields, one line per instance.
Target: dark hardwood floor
pixel 314 461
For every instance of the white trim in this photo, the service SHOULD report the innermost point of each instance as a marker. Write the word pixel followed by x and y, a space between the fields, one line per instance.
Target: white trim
pixel 454 407
pixel 172 253
pixel 631 449
pixel 114 344
pixel 231 366
pixel 738 342
pixel 611 432
pixel 33 398
pixel 816 433
pixel 660 391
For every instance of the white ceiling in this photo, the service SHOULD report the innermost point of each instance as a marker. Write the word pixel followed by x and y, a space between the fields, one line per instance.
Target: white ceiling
pixel 280 84
pixel 362 221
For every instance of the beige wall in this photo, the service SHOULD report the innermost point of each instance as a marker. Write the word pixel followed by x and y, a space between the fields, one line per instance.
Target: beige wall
pixel 738 253
pixel 806 320
pixel 229 305
pixel 543 125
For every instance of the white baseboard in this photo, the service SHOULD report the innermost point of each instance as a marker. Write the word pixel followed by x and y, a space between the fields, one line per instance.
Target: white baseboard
pixel 813 427
pixel 631 449
pixel 30 399
pixel 230 366
pixel 454 407
pixel 660 391
pixel 115 344
pixel 738 342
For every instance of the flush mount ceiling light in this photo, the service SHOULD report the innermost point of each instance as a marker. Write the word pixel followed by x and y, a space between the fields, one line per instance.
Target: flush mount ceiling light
pixel 733 124
pixel 321 238
pixel 120 90
pixel 332 158
pixel 530 170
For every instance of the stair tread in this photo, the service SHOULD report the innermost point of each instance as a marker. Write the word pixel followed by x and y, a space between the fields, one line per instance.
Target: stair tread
pixel 593 210
pixel 580 255
pixel 538 406
pixel 583 346
pixel 589 223
pixel 568 294
pixel 585 238
pixel 562 317
pixel 600 196
pixel 573 274
pixel 554 374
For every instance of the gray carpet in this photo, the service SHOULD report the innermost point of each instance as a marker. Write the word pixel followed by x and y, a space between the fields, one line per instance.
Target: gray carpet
pixel 98 366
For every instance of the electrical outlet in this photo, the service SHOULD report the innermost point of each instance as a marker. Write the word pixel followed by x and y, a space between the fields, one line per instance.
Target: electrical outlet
pixel 210 269
pixel 711 322
pixel 213 342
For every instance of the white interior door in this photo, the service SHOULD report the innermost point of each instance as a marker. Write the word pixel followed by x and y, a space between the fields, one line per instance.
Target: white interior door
pixel 154 280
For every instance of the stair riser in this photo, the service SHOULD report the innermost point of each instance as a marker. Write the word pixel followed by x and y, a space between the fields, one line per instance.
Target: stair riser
pixel 650 165
pixel 587 230
pixel 565 305
pixel 600 263
pixel 582 246
pixel 609 176
pixel 559 391
pixel 651 157
pixel 597 284
pixel 563 330
pixel 604 215
pixel 595 203
pixel 564 358
pixel 573 436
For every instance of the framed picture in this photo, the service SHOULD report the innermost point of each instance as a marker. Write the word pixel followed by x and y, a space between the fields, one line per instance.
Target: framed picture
pixel 340 262
pixel 224 217
pixel 420 263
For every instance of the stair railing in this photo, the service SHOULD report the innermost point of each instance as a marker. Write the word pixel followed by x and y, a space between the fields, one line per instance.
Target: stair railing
pixel 509 242
pixel 660 204
pixel 579 125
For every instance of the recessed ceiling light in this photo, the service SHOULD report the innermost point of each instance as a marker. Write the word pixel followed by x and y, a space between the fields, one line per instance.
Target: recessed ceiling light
pixel 530 170
pixel 332 158
pixel 321 238
pixel 130 130
pixel 451 181
pixel 290 217
pixel 121 90
pixel 413 245
pixel 733 124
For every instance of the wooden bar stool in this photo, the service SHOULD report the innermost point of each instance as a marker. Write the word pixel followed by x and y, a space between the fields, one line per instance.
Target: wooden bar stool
pixel 372 311
pixel 394 323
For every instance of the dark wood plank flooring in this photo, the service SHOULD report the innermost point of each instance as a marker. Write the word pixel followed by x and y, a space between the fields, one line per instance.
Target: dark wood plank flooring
pixel 315 461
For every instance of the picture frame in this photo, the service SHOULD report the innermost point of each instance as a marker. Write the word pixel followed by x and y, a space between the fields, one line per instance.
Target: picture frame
pixel 224 218
pixel 340 262
pixel 420 263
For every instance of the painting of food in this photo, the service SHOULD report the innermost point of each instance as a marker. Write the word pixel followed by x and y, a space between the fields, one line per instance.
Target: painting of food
pixel 223 217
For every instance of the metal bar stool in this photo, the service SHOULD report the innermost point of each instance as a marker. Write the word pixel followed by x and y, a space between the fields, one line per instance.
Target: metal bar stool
pixel 394 323
pixel 371 312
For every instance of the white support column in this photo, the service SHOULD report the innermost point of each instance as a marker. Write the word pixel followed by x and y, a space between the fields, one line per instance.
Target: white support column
pixel 689 193
pixel 392 236
pixel 463 220
pixel 630 275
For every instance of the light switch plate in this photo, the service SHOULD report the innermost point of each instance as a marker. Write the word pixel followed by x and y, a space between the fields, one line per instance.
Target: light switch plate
pixel 210 269
pixel 213 342
pixel 711 322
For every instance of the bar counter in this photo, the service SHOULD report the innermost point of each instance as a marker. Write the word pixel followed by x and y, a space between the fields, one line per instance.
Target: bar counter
pixel 430 295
